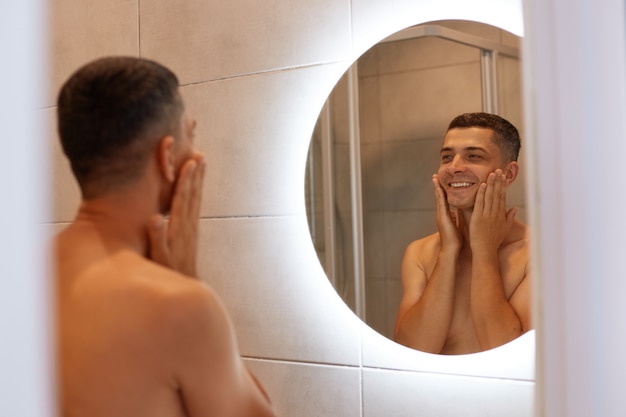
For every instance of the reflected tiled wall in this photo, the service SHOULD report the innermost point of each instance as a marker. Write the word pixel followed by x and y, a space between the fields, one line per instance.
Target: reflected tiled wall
pixel 255 75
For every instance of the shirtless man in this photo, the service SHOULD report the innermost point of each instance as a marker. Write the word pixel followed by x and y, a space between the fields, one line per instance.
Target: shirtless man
pixel 467 288
pixel 138 333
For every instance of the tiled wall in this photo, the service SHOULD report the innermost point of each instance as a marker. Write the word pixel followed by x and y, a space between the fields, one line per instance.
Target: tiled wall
pixel 255 75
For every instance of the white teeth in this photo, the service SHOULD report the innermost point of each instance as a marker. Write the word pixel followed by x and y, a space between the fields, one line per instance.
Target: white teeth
pixel 460 184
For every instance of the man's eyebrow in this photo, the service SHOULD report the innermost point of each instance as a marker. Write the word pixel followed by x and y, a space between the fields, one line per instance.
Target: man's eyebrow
pixel 475 148
pixel 466 149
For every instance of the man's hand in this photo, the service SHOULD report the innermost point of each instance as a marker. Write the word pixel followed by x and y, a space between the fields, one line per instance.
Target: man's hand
pixel 491 222
pixel 446 220
pixel 174 242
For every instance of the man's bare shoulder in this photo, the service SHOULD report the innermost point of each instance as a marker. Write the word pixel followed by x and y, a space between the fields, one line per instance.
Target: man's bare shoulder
pixel 175 292
pixel 120 292
pixel 519 232
pixel 517 240
pixel 426 241
pixel 424 249
pixel 125 318
pixel 88 270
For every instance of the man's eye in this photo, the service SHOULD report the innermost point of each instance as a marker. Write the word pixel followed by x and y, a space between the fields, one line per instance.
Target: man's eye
pixel 446 158
pixel 474 156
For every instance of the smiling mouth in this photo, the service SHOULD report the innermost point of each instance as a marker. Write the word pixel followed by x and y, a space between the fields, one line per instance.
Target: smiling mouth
pixel 460 184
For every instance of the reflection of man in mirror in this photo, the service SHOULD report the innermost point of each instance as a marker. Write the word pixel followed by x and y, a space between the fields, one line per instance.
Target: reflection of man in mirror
pixel 138 333
pixel 466 288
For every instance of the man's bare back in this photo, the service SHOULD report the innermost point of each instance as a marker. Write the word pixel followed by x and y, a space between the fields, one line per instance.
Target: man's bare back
pixel 110 306
pixel 127 330
pixel 422 254
pixel 138 333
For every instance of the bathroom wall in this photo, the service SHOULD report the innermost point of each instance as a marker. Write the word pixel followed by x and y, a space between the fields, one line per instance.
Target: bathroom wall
pixel 255 75
pixel 409 91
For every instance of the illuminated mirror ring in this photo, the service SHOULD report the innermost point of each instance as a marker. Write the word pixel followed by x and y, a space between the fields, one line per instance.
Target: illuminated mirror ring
pixel 322 167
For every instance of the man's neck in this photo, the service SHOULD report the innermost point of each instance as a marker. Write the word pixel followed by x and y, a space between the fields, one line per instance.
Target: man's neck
pixel 119 218
pixel 463 220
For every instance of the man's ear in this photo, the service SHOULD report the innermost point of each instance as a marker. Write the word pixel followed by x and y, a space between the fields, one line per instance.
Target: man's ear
pixel 166 159
pixel 510 172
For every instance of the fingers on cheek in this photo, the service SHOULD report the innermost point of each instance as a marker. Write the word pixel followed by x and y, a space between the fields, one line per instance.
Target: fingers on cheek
pixel 482 190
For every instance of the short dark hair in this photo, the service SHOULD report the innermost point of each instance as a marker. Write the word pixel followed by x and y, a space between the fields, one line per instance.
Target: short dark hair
pixel 111 113
pixel 505 135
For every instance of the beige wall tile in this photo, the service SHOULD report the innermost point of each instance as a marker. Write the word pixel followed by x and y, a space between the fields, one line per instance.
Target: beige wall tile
pixel 282 307
pixel 511 107
pixel 197 36
pixel 341 174
pixel 394 296
pixel 64 193
pixel 402 228
pixel 86 29
pixel 510 39
pixel 373 177
pixel 374 244
pixel 376 305
pixel 516 194
pixel 254 130
pixel 369 109
pixel 408 167
pixel 510 102
pixel 423 53
pixel 305 390
pixel 422 104
pixel 394 393
pixel 368 63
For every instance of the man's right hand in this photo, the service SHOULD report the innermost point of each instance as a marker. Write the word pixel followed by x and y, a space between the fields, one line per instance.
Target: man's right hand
pixel 174 241
pixel 446 220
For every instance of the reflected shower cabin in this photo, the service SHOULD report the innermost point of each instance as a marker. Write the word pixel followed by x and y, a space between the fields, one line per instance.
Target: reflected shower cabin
pixel 376 145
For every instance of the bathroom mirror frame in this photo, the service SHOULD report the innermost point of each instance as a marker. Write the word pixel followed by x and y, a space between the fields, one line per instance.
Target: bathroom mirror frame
pixel 514 360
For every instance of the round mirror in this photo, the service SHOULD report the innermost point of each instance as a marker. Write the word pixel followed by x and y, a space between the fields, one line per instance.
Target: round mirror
pixel 377 142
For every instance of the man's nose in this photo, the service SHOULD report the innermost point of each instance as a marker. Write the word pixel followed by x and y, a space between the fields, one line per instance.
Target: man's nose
pixel 456 165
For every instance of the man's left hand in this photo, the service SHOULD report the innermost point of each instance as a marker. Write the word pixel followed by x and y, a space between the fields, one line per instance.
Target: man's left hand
pixel 491 222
